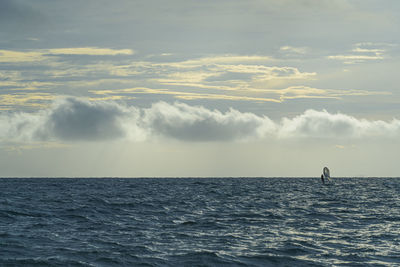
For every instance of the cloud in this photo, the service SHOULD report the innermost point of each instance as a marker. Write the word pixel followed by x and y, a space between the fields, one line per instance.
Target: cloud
pixel 180 94
pixel 352 59
pixel 295 92
pixel 25 100
pixel 362 52
pixel 227 77
pixel 12 56
pixel 293 50
pixel 75 120
pixel 20 56
pixel 242 94
pixel 69 119
pixel 225 59
pixel 90 51
pixel 322 124
pixel 233 71
pixel 189 123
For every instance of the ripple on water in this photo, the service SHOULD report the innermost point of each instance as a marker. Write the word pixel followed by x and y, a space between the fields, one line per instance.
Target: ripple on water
pixel 158 222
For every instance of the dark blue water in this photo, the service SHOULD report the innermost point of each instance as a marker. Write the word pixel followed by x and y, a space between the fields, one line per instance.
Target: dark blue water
pixel 199 222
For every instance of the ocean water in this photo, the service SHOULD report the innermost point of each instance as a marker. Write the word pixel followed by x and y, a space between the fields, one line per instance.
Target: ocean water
pixel 199 222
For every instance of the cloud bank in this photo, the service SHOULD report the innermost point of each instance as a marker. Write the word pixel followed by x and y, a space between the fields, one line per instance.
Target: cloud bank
pixel 322 124
pixel 184 122
pixel 75 119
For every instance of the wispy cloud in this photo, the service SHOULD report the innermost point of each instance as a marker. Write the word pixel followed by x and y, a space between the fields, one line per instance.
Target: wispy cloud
pixel 362 52
pixel 234 77
pixel 13 56
pixel 224 59
pixel 293 50
pixel 20 56
pixel 91 51
pixel 352 59
pixel 295 92
pixel 179 94
pixel 220 77
pixel 259 95
pixel 25 100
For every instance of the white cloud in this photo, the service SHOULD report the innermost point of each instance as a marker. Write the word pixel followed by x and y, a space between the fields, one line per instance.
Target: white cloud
pixel 74 119
pixel 292 49
pixel 322 124
pixel 91 51
pixel 225 59
pixel 12 56
pixel 242 94
pixel 352 59
pixel 362 52
pixel 376 51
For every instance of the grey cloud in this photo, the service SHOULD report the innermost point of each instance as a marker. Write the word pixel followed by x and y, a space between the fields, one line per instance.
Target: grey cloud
pixel 184 122
pixel 69 119
pixel 74 119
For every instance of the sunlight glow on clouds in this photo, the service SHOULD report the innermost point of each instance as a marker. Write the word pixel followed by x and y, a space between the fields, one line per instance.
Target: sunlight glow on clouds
pixel 23 100
pixel 242 94
pixel 17 56
pixel 219 77
pixel 91 51
pixel 40 54
pixel 294 50
pixel 364 52
pixel 224 59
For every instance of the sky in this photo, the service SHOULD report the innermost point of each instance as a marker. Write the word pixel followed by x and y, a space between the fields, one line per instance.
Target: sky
pixel 189 88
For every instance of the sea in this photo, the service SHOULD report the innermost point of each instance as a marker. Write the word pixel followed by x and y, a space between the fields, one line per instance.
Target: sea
pixel 199 222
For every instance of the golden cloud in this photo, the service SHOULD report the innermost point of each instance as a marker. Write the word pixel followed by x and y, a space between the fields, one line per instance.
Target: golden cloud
pixel 36 100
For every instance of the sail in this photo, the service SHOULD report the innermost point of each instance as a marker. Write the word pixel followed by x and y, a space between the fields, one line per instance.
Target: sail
pixel 326 172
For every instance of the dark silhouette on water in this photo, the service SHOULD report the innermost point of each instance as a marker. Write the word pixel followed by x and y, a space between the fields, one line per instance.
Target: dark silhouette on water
pixel 322 179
